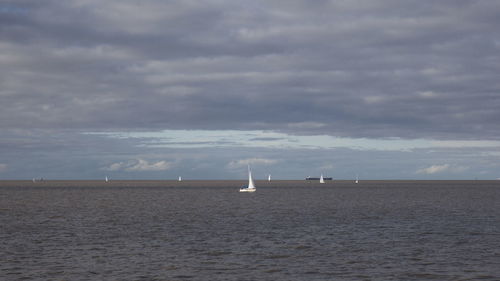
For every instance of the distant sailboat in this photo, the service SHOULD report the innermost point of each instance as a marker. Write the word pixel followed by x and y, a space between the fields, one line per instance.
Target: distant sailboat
pixel 251 186
pixel 357 180
pixel 180 178
pixel 321 180
pixel 269 178
pixel 106 179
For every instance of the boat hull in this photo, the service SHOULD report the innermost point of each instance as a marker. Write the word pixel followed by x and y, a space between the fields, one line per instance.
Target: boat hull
pixel 247 189
pixel 317 179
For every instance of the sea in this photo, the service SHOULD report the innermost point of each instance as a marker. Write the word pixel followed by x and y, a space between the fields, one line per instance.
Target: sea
pixel 286 230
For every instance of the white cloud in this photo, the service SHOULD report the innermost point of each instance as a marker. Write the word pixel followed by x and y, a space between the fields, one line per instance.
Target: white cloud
pixel 441 168
pixel 3 167
pixel 115 166
pixel 256 161
pixel 433 169
pixel 139 165
pixel 259 138
pixel 143 165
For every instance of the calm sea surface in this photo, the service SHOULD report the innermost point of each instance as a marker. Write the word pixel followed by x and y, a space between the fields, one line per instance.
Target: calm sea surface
pixel 287 230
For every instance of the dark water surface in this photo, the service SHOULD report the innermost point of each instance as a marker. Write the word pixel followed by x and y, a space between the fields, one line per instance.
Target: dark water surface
pixel 287 230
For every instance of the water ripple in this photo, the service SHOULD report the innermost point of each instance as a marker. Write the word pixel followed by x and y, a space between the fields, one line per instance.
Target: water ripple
pixel 285 231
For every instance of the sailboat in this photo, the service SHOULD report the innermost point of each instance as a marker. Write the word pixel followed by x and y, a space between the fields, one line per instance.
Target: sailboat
pixel 180 178
pixel 357 180
pixel 321 180
pixel 251 186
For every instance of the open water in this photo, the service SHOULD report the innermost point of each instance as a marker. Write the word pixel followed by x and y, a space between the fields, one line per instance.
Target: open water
pixel 287 230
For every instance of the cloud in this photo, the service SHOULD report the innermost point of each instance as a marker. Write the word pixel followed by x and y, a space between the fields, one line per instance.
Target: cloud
pixel 139 165
pixel 434 169
pixel 143 165
pixel 115 167
pixel 307 125
pixel 328 75
pixel 73 155
pixel 256 138
pixel 327 166
pixel 251 161
pixel 377 69
pixel 427 94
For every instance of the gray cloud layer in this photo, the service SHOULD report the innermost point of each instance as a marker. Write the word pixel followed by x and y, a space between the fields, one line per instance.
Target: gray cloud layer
pixel 410 69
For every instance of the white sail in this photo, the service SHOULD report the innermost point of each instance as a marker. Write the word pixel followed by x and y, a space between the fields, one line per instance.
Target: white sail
pixel 180 178
pixel 251 186
pixel 357 180
pixel 250 180
pixel 106 179
pixel 321 180
pixel 269 178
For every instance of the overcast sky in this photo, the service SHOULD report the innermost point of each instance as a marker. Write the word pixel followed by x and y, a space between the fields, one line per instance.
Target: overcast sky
pixel 157 89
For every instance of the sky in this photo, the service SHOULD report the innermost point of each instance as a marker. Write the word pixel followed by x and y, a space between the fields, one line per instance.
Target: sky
pixel 156 89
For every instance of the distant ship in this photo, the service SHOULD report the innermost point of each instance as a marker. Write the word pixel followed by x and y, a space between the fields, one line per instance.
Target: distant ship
pixel 317 179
